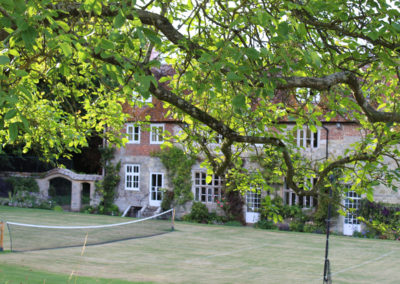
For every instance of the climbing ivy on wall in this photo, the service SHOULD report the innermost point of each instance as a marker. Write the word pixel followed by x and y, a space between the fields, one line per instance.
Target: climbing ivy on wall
pixel 179 171
pixel 107 187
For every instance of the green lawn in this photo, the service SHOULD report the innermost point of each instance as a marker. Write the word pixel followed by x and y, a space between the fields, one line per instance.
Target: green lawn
pixel 199 254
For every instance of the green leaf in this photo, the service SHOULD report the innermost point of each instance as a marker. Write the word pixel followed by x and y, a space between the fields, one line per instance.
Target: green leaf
pixel 29 36
pixel 152 36
pixel 93 6
pixel 63 25
pixel 231 76
pixel 66 49
pixel 239 101
pixel 13 131
pixel 21 73
pixel 4 60
pixel 10 114
pixel 106 44
pixel 20 6
pixel 119 20
pixel 252 53
pixel 208 179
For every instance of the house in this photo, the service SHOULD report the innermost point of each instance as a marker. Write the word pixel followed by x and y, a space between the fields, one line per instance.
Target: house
pixel 143 176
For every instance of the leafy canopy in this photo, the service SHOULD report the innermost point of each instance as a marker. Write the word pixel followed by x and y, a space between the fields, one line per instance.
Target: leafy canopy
pixel 241 67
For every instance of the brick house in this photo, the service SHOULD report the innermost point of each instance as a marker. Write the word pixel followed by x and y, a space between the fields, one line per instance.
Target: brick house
pixel 143 175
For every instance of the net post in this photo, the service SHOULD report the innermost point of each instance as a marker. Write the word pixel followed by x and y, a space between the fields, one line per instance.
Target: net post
pixel 173 220
pixel 1 235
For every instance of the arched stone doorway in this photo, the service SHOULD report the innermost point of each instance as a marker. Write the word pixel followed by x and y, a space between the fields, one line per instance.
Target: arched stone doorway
pixel 60 190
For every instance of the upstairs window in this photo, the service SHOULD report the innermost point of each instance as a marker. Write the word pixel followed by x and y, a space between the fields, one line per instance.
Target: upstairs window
pixel 306 138
pixel 156 133
pixel 133 132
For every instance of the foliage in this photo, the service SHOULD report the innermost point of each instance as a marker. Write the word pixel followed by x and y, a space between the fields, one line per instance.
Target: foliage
pixel 179 167
pixel 58 208
pixel 199 213
pixel 167 200
pixel 368 234
pixel 107 187
pixel 313 228
pixel 266 224
pixel 381 218
pixel 234 202
pixel 23 184
pixel 233 223
pixel 240 71
pixel 321 214
pixel 296 226
pixel 28 199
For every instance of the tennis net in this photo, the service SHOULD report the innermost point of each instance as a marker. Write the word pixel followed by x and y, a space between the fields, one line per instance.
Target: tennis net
pixel 28 237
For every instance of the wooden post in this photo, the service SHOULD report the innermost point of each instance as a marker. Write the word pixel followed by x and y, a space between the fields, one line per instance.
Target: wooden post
pixel 1 235
pixel 173 219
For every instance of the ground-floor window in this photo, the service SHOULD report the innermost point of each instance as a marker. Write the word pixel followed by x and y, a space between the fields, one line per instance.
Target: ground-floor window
pixel 132 174
pixel 304 201
pixel 207 192
pixel 156 186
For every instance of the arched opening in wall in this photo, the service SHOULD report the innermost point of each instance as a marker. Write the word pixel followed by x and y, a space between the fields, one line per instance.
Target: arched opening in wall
pixel 60 191
pixel 85 194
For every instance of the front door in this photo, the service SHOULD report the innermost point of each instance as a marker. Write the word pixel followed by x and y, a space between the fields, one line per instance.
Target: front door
pixel 352 203
pixel 156 185
pixel 253 199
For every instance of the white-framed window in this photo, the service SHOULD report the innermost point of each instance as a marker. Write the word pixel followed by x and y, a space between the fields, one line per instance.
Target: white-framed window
pixel 305 201
pixel 207 192
pixel 132 177
pixel 156 184
pixel 133 132
pixel 352 203
pixel 307 95
pixel 253 200
pixel 156 133
pixel 306 138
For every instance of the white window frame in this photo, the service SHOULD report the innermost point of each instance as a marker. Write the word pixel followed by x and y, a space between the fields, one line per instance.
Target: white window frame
pixel 253 200
pixel 207 192
pixel 158 134
pixel 133 134
pixel 291 198
pixel 352 203
pixel 157 188
pixel 307 139
pixel 132 177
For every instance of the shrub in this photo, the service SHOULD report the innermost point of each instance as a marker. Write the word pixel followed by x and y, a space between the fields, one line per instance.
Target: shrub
pixel 199 213
pixel 265 224
pixel 313 228
pixel 233 223
pixel 167 200
pixel 58 208
pixel 30 200
pixel 296 226
pixel 23 184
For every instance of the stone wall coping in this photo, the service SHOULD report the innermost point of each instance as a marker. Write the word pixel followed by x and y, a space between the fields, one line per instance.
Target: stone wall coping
pixel 55 172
